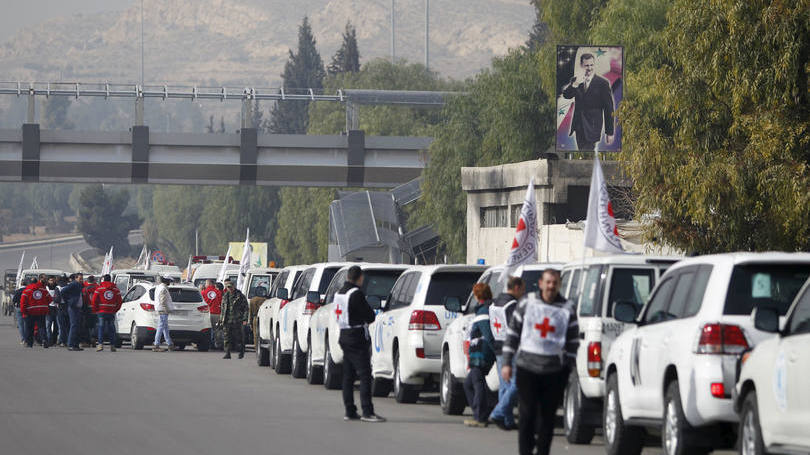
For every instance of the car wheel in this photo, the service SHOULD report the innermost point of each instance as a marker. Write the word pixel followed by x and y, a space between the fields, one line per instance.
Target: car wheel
pixel 675 429
pixel 179 346
pixel 381 387
pixel 282 363
pixel 118 341
pixel 451 394
pixel 332 373
pixel 135 339
pixel 299 358
pixel 262 354
pixel 403 393
pixel 204 342
pixel 576 432
pixel 314 372
pixel 750 430
pixel 272 351
pixel 620 438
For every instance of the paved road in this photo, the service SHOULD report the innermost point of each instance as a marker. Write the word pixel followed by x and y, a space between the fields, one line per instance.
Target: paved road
pixel 140 402
pixel 48 256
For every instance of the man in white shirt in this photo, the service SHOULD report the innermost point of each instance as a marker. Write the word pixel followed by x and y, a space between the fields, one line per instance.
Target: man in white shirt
pixel 164 306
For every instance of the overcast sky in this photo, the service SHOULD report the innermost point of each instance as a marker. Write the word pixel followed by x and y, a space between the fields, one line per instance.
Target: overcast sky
pixel 21 13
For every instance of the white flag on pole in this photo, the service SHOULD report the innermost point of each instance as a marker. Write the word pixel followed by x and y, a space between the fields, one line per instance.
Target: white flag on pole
pixel 188 270
pixel 524 245
pixel 34 264
pixel 600 226
pixel 143 258
pixel 224 268
pixel 20 267
pixel 106 268
pixel 244 264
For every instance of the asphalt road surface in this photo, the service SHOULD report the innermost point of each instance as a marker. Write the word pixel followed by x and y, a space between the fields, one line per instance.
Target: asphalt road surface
pixel 141 402
pixel 53 256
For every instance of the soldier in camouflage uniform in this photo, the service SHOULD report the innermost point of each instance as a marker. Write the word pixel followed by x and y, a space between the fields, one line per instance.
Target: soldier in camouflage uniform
pixel 233 319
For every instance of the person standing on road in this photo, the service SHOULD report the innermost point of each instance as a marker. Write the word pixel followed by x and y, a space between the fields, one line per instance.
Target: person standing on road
pixel 34 307
pixel 500 312
pixel 482 356
pixel 51 319
pixel 15 300
pixel 213 298
pixel 62 316
pixel 106 302
pixel 163 301
pixel 353 316
pixel 543 337
pixel 89 319
pixel 72 298
pixel 234 318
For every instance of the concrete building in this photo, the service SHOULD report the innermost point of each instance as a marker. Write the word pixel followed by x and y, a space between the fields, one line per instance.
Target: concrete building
pixel 495 196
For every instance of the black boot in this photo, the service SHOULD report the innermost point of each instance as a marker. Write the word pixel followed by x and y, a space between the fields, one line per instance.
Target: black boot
pixel 242 354
pixel 227 355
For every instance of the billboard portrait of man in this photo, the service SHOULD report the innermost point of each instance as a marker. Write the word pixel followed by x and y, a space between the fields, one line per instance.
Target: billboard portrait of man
pixel 589 89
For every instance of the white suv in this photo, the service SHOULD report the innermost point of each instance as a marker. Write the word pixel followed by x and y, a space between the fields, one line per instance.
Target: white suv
pixel 605 281
pixel 772 395
pixel 268 317
pixel 406 336
pixel 324 356
pixel 676 367
pixel 455 345
pixel 293 318
pixel 189 322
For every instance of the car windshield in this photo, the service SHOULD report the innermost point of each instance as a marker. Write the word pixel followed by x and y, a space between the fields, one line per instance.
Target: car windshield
pixel 259 286
pixel 180 295
pixel 378 283
pixel 774 285
pixel 149 278
pixel 450 284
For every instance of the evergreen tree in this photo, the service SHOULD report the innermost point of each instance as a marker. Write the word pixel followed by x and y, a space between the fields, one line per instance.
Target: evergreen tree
pixel 302 71
pixel 102 221
pixel 347 58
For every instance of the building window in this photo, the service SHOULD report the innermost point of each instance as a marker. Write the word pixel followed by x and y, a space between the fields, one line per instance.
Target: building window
pixel 515 215
pixel 497 216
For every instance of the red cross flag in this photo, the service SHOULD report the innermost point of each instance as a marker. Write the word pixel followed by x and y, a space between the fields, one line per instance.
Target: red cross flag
pixel 600 226
pixel 524 245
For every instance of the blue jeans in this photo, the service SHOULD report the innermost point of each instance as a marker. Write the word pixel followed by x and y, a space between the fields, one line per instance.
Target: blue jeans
pixel 163 328
pixel 506 396
pixel 30 321
pixel 51 325
pixel 106 324
pixel 20 324
pixel 76 316
pixel 63 320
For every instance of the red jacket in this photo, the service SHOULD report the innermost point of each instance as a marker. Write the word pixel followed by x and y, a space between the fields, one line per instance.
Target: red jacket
pixel 35 300
pixel 106 298
pixel 213 297
pixel 87 293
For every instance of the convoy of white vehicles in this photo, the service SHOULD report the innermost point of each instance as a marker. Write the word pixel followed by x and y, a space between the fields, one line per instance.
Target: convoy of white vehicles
pixel 710 351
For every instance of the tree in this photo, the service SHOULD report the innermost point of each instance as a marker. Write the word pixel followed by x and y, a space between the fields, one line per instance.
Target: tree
pixel 347 57
pixel 716 139
pixel 303 70
pixel 102 221
pixel 55 113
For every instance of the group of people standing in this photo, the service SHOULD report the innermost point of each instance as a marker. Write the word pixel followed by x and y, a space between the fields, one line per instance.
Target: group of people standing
pixel 533 340
pixel 64 311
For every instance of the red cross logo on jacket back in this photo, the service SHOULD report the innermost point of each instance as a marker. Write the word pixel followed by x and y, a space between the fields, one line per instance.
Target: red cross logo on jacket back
pixel 497 324
pixel 545 328
pixel 338 312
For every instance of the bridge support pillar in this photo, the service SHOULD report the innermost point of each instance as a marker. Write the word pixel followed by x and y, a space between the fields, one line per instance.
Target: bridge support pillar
pixel 357 158
pixel 248 155
pixel 140 154
pixel 30 152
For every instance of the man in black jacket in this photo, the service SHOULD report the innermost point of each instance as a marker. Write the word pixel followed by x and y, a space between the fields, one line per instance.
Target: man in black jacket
pixel 593 103
pixel 354 314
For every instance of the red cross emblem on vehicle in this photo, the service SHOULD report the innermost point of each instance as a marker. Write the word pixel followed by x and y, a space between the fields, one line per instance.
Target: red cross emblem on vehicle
pixel 497 326
pixel 338 312
pixel 545 328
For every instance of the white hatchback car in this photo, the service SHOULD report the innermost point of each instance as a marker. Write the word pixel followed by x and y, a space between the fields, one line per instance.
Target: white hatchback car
pixel 455 345
pixel 675 368
pixel 406 336
pixel 324 356
pixel 772 394
pixel 268 317
pixel 294 318
pixel 190 322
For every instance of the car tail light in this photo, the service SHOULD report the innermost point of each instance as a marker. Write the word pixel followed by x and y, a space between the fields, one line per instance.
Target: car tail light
pixel 282 304
pixel 594 359
pixel 203 309
pixel 718 390
pixel 420 353
pixel 310 308
pixel 721 339
pixel 424 320
pixel 148 306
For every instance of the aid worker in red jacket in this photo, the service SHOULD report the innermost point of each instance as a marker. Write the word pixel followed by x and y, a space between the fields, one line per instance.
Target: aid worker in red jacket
pixel 106 301
pixel 33 308
pixel 213 297
pixel 89 320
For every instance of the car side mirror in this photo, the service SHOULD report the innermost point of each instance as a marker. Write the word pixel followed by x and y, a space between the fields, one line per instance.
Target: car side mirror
pixel 314 297
pixel 766 319
pixel 375 302
pixel 452 304
pixel 283 294
pixel 625 311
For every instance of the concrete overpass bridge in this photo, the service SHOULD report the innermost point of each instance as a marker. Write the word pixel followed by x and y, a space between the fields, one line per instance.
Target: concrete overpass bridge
pixel 352 159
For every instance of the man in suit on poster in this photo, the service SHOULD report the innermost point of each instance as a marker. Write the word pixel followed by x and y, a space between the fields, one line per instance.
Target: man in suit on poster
pixel 593 104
